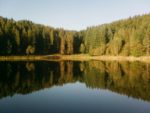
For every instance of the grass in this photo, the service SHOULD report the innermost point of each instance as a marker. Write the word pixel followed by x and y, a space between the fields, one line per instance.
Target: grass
pixel 76 57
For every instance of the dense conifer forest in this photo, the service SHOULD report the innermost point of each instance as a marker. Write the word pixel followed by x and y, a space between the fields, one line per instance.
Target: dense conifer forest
pixel 127 37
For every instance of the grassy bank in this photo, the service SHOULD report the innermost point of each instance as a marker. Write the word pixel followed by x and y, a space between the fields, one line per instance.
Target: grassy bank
pixel 105 58
pixel 78 57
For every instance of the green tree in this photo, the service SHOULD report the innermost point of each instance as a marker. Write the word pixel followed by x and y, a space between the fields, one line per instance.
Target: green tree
pixel 17 38
pixel 30 50
pixel 82 48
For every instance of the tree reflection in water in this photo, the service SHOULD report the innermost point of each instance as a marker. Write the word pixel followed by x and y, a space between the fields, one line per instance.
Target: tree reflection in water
pixel 127 78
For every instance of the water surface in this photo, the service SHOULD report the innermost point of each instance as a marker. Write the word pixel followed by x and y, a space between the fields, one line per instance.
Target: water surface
pixel 74 87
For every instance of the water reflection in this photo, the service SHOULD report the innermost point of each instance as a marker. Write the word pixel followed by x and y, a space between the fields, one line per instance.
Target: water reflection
pixel 131 79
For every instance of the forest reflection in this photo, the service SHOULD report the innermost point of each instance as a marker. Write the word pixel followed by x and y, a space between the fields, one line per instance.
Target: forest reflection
pixel 127 78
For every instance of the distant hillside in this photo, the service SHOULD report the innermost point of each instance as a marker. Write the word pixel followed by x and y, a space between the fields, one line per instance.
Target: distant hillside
pixel 128 37
pixel 125 37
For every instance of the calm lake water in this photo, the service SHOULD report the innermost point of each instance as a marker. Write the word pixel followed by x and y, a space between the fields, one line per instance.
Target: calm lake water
pixel 74 87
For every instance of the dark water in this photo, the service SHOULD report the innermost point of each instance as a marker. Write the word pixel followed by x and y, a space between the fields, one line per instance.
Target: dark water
pixel 74 87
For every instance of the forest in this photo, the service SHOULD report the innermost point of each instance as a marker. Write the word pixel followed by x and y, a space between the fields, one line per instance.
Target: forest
pixel 126 37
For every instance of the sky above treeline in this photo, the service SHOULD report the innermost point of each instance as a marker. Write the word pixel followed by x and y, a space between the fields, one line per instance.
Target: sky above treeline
pixel 73 14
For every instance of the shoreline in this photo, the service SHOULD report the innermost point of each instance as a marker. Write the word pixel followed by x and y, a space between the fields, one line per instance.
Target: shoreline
pixel 77 57
pixel 106 58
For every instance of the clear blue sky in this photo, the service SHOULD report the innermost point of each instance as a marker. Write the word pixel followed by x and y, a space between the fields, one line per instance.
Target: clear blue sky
pixel 72 14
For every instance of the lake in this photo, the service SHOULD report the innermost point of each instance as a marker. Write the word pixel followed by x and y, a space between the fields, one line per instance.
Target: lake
pixel 74 87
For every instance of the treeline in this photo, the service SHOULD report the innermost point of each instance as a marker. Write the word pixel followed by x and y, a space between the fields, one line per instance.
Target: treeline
pixel 128 37
pixel 25 38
